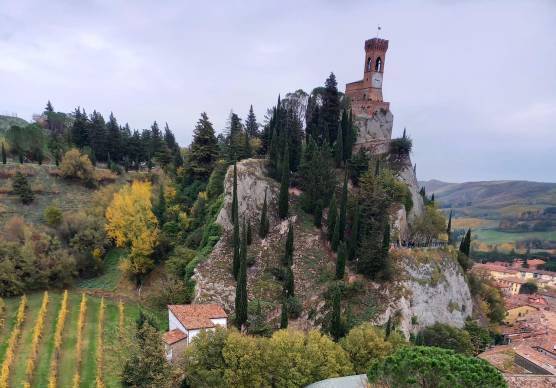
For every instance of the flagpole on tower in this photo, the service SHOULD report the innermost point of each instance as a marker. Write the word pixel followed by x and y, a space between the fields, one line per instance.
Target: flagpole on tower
pixel 378 31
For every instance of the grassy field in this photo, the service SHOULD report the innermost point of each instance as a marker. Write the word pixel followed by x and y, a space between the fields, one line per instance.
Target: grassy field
pixel 67 364
pixel 490 236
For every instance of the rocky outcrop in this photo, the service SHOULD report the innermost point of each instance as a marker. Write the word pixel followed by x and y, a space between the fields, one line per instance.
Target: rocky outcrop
pixel 407 175
pixel 252 183
pixel 374 132
pixel 432 289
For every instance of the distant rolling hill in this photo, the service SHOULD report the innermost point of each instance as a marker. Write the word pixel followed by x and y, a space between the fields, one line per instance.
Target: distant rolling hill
pixel 6 122
pixel 482 205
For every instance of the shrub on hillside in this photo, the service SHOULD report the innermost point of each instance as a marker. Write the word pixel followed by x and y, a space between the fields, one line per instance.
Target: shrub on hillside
pixel 22 188
pixel 445 336
pixel 53 216
pixel 77 166
pixel 401 146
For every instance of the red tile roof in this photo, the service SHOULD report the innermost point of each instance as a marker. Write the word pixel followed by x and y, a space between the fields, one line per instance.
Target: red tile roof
pixel 173 336
pixel 197 316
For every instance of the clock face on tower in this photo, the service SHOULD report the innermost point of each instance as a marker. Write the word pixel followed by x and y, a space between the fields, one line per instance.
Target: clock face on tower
pixel 376 81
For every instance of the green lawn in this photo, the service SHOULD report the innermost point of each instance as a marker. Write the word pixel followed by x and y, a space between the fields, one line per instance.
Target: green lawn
pixel 111 276
pixel 68 362
pixel 491 236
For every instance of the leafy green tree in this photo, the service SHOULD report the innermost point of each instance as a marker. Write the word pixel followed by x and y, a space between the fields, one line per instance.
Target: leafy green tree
pixel 204 148
pixel 365 344
pixel 446 336
pixel 22 188
pixel 480 337
pixel 341 261
pixel 146 366
pixel 465 245
pixel 53 216
pixel 241 286
pixel 529 288
pixel 332 217
pixel 264 224
pixel 421 366
pixel 284 196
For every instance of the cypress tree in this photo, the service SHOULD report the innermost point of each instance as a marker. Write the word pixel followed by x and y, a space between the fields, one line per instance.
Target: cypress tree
pixel 318 214
pixel 289 283
pixel 341 261
pixel 354 238
pixel 339 148
pixel 336 236
pixel 284 312
pixel 160 209
pixel 336 328
pixel 465 245
pixel 283 199
pixel 236 249
pixel 234 196
pixel 249 234
pixel 241 286
pixel 288 254
pixel 432 198
pixel 449 228
pixel 332 217
pixel 343 208
pixel 3 154
pixel 264 224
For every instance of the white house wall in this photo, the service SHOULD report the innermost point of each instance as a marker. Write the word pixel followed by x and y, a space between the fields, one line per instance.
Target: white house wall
pixel 174 323
pixel 220 321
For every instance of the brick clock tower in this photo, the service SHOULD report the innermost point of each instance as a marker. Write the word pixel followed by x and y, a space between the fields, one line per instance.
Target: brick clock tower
pixel 366 94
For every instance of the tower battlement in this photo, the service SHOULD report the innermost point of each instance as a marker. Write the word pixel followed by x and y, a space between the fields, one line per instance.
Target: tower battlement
pixel 376 44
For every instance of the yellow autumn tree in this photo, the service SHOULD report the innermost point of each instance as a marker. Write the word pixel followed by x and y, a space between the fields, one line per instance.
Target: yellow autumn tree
pixel 132 224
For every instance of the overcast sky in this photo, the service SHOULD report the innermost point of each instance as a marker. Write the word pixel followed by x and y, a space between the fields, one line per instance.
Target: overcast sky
pixel 474 82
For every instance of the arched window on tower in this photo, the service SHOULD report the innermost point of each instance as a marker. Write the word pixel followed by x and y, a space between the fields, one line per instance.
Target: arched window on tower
pixel 369 64
pixel 378 64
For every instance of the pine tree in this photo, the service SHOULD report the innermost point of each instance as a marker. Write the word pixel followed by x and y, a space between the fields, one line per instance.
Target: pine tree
pixel 318 214
pixel 264 223
pixel 330 110
pixel 288 254
pixel 3 154
pixel 341 261
pixel 97 135
pixel 449 228
pixel 241 286
pixel 465 245
pixel 339 148
pixel 284 312
pixel 343 208
pixel 204 148
pixel 113 145
pixel 160 209
pixel 336 327
pixel 283 198
pixel 246 149
pixel 332 217
pixel 80 128
pixel 354 238
pixel 251 125
pixel 49 108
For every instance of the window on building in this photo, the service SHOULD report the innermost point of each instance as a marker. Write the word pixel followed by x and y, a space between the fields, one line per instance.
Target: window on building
pixel 378 64
pixel 369 64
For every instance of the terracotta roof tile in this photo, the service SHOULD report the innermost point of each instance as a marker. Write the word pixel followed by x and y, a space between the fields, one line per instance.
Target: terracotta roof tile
pixel 197 316
pixel 173 336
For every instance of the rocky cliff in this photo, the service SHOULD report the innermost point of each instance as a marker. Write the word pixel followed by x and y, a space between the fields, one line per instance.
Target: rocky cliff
pixel 429 285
